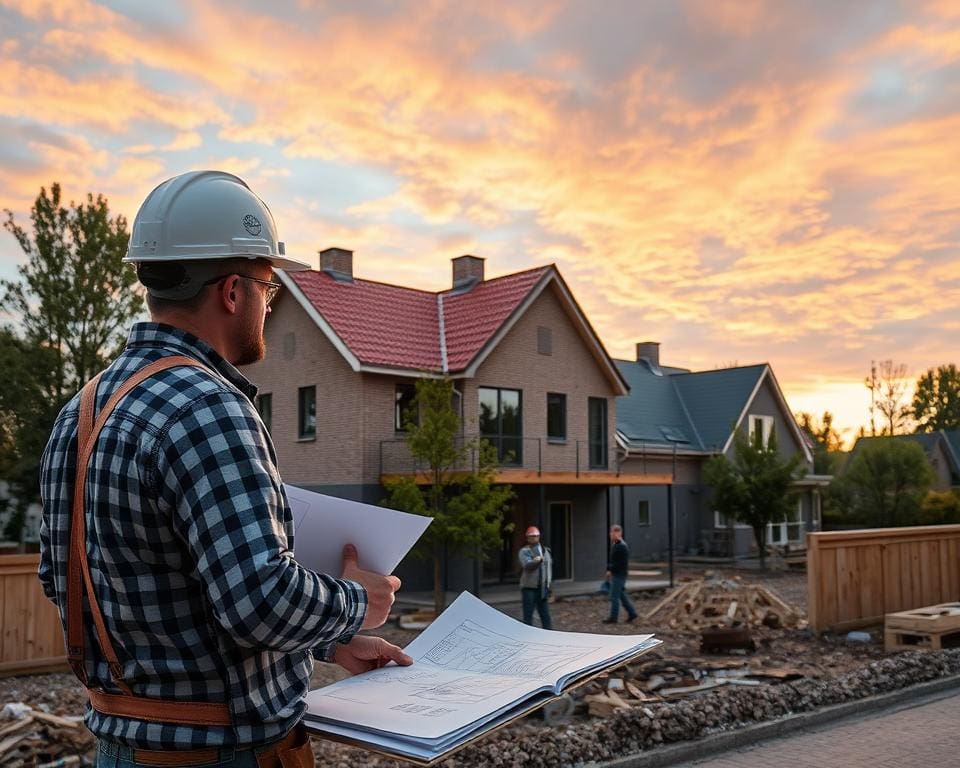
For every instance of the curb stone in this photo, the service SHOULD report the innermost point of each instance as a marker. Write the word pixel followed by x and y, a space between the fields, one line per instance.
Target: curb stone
pixel 718 743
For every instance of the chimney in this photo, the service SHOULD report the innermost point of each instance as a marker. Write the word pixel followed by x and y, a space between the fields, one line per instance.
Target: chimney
pixel 467 272
pixel 338 263
pixel 649 351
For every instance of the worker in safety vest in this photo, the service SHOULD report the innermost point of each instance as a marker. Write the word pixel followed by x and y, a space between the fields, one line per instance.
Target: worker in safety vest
pixel 167 539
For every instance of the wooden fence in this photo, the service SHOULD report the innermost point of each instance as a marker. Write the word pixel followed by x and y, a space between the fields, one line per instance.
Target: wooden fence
pixel 854 578
pixel 30 635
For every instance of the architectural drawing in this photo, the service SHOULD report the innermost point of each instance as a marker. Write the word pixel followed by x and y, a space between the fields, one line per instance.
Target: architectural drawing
pixel 472 648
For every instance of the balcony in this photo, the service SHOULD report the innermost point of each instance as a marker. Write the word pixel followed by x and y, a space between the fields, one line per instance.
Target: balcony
pixel 526 460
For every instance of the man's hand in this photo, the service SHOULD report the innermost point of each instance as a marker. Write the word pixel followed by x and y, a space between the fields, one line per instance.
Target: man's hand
pixel 609 575
pixel 379 588
pixel 538 559
pixel 364 653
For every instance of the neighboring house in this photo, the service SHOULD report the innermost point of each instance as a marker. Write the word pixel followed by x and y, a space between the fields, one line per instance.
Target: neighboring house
pixel 673 420
pixel 530 375
pixel 942 449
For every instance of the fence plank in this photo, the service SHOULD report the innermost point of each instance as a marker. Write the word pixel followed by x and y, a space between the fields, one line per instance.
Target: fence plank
pixel 30 632
pixel 854 577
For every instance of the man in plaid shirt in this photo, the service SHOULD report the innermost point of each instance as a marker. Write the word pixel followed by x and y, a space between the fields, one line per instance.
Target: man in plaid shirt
pixel 189 535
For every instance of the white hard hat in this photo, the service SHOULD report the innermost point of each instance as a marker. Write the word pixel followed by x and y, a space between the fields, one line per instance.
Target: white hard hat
pixel 206 216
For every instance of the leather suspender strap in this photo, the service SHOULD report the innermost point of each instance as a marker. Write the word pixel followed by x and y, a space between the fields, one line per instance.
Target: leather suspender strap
pixel 78 569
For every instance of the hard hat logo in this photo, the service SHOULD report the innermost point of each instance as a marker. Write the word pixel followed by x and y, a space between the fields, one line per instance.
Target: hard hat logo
pixel 252 224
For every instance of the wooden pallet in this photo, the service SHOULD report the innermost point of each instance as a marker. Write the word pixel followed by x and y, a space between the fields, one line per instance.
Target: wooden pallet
pixel 932 628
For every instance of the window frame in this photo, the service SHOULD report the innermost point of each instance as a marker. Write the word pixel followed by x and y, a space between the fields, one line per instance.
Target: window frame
pixel 649 509
pixel 563 417
pixel 398 412
pixel 604 441
pixel 767 428
pixel 306 434
pixel 497 439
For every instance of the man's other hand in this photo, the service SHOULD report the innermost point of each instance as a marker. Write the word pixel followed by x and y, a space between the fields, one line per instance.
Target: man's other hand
pixel 379 588
pixel 364 653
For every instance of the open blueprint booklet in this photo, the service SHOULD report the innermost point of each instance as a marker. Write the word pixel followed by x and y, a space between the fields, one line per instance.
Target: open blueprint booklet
pixel 474 669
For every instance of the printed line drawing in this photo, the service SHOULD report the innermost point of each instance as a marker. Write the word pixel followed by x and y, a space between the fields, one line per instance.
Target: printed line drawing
pixel 472 648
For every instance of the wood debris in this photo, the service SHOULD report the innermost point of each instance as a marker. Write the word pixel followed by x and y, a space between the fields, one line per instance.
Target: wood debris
pixel 709 602
pixel 33 737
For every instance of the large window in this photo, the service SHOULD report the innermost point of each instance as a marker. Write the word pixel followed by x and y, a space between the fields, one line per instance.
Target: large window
pixel 556 416
pixel 760 427
pixel 403 406
pixel 501 422
pixel 789 530
pixel 597 432
pixel 265 407
pixel 307 413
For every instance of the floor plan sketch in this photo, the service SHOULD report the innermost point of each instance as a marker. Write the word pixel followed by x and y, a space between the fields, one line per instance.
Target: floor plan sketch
pixel 472 648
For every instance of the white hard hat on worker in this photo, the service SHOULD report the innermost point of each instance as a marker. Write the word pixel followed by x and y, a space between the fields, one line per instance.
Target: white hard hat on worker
pixel 201 218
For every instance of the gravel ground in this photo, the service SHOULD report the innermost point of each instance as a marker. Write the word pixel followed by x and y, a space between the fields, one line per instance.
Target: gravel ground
pixel 834 671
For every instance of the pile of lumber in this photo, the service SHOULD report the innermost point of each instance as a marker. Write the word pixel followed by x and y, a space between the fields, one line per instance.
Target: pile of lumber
pixel 659 680
pixel 31 737
pixel 709 602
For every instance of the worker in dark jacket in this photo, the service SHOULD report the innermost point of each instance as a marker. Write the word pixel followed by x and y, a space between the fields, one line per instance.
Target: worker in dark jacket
pixel 617 569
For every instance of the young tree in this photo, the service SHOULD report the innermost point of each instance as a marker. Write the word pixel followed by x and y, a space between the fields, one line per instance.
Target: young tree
pixel 936 400
pixel 755 487
pixel 466 506
pixel 827 441
pixel 885 482
pixel 72 302
pixel 888 387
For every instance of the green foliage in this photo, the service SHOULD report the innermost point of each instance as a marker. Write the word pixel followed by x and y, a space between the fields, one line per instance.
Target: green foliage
pixel 466 506
pixel 754 488
pixel 884 483
pixel 940 508
pixel 73 301
pixel 936 399
pixel 827 446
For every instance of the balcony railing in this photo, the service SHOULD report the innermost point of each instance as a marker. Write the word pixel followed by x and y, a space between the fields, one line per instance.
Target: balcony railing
pixel 530 454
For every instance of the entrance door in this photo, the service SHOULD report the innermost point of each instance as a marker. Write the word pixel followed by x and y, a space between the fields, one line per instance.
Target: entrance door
pixel 561 540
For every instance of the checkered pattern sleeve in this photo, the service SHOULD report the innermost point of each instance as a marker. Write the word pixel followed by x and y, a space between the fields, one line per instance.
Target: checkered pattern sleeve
pixel 216 477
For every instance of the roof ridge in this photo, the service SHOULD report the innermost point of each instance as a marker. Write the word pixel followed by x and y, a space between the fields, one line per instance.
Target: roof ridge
pixel 487 281
pixel 722 370
pixel 686 412
pixel 442 333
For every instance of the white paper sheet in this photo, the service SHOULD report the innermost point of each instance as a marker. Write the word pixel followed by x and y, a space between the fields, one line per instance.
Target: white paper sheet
pixel 323 525
pixel 472 664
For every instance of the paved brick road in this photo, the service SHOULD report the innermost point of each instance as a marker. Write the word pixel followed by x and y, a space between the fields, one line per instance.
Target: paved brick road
pixel 925 736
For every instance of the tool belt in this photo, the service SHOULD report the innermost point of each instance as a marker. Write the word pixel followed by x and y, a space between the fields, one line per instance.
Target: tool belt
pixel 292 751
pixel 126 703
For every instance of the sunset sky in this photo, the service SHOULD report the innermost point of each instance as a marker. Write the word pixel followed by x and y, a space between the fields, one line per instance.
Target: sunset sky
pixel 741 181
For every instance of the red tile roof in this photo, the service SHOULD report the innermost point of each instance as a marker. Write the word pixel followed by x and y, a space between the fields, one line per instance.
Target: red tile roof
pixel 399 327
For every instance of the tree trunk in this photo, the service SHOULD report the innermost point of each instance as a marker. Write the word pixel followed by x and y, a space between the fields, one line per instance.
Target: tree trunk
pixel 761 546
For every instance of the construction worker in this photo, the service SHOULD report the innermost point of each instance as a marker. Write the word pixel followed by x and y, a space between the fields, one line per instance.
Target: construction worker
pixel 167 539
pixel 536 573
pixel 618 569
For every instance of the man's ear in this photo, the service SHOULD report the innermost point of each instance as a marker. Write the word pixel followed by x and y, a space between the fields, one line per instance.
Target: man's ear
pixel 228 293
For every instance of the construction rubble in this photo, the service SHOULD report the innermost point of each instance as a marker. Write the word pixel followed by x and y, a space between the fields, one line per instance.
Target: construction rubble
pixel 33 737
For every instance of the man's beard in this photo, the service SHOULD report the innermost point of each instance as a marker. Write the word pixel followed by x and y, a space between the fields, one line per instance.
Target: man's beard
pixel 253 347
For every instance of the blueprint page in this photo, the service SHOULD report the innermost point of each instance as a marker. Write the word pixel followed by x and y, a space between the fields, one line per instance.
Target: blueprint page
pixel 471 662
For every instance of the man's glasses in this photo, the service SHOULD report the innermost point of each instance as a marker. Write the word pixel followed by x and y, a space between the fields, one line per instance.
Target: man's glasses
pixel 269 295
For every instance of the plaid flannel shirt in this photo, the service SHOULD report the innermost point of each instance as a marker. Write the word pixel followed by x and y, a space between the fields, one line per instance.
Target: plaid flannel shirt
pixel 190 539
